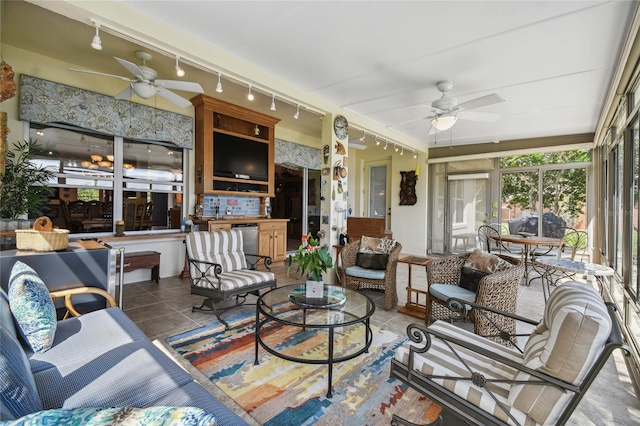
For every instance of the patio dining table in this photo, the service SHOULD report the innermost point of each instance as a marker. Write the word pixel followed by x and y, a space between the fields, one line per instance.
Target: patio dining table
pixel 594 272
pixel 527 243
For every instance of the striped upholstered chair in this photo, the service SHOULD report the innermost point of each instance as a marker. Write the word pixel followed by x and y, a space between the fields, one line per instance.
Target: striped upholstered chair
pixel 220 271
pixel 538 381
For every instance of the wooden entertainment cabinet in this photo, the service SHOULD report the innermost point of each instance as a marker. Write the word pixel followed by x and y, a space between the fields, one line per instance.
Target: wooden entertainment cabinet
pixel 215 116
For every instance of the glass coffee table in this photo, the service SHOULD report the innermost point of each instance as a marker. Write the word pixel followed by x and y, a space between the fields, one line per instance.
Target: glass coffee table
pixel 326 330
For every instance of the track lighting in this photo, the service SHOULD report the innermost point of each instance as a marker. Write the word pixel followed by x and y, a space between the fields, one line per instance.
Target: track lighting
pixel 96 43
pixel 377 140
pixel 385 145
pixel 219 85
pixel 402 152
pixel 250 95
pixel 297 114
pixel 415 155
pixel 179 71
pixel 363 136
pixel 395 147
pixel 273 103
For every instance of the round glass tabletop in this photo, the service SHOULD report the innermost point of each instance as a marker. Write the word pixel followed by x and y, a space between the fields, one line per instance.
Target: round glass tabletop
pixel 338 306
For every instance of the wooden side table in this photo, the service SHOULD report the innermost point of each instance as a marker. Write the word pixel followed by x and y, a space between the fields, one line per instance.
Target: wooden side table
pixel 416 305
pixel 144 260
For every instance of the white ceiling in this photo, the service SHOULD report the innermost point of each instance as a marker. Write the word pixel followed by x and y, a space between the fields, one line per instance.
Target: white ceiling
pixel 552 61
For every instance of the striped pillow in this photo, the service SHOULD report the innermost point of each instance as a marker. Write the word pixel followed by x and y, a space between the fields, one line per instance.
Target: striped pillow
pixel 224 247
pixel 574 330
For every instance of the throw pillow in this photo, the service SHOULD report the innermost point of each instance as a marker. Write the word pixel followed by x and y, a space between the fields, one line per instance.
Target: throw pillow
pixel 470 278
pixel 156 416
pixel 486 262
pixel 372 261
pixel 32 307
pixel 376 245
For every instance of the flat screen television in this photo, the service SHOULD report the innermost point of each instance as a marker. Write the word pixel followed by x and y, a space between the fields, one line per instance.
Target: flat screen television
pixel 235 157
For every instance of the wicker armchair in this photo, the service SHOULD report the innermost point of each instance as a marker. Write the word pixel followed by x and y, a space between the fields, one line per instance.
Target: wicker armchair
pixel 498 290
pixel 386 280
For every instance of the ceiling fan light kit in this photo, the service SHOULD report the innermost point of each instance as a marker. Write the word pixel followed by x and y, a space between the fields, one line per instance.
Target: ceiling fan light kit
pixel 444 122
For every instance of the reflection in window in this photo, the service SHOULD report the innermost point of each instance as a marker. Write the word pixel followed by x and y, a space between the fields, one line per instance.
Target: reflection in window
pixel 95 177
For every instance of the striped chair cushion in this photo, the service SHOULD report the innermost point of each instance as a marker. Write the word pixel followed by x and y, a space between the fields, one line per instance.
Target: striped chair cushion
pixel 238 279
pixel 440 360
pixel 574 330
pixel 223 247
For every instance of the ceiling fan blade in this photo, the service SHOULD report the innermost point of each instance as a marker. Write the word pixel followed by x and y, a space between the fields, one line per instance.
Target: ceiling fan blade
pixel 486 117
pixel 482 101
pixel 126 94
pixel 170 96
pixel 436 110
pixel 413 120
pixel 102 74
pixel 187 86
pixel 132 68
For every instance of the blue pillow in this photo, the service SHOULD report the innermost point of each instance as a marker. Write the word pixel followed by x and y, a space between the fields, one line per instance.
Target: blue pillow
pixel 18 392
pixel 32 307
pixel 156 416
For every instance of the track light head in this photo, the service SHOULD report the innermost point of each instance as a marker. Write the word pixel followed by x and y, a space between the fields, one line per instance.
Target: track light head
pixel 415 155
pixel 385 145
pixel 377 140
pixel 179 71
pixel 363 136
pixel 395 147
pixel 402 152
pixel 96 43
pixel 273 102
pixel 250 95
pixel 297 114
pixel 219 85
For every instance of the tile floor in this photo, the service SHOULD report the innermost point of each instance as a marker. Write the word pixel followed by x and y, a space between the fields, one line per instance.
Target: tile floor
pixel 163 310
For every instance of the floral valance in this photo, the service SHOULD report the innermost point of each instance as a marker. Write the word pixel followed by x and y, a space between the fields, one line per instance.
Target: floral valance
pixel 47 102
pixel 297 155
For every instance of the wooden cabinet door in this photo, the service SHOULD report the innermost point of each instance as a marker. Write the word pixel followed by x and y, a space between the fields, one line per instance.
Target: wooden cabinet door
pixel 279 244
pixel 265 243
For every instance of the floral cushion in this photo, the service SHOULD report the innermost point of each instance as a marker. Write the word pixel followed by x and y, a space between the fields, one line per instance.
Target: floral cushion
pixel 486 262
pixel 157 416
pixel 32 307
pixel 376 245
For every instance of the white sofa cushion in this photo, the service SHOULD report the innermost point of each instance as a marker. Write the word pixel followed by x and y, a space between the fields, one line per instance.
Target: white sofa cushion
pixel 573 332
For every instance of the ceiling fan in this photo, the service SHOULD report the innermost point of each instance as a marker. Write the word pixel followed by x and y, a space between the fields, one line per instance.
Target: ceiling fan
pixel 145 83
pixel 447 111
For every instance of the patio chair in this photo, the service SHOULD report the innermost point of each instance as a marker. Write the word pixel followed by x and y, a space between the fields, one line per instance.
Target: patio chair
pixel 489 240
pixel 358 273
pixel 482 278
pixel 540 380
pixel 220 270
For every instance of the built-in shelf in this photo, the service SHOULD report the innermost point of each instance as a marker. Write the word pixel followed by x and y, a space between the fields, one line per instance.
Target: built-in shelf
pixel 215 116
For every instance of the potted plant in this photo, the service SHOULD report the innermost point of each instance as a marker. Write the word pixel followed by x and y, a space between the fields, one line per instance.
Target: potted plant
pixel 24 184
pixel 311 259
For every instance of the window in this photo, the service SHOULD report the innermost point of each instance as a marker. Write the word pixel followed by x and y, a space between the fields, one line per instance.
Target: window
pixel 97 176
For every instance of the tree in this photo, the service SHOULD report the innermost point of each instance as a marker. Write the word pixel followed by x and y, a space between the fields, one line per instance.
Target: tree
pixel 564 190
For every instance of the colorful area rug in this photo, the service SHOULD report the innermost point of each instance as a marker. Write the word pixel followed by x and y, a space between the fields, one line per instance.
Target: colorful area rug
pixel 280 392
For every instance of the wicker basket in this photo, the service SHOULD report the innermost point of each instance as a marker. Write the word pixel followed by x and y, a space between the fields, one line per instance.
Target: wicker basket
pixel 42 237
